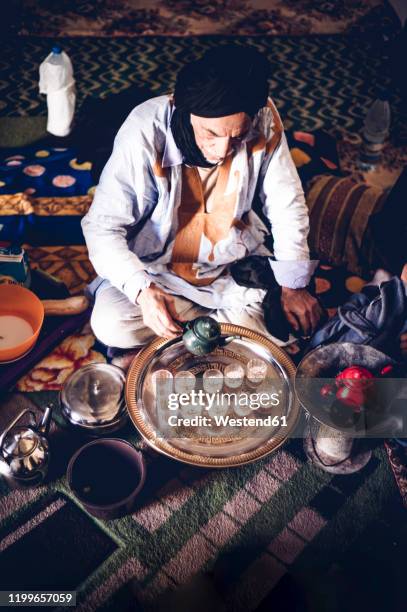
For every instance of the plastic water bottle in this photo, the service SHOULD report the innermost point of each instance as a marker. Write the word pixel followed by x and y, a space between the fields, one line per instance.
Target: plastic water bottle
pixel 376 129
pixel 58 83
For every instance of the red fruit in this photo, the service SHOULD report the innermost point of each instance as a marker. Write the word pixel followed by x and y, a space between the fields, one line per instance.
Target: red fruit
pixel 355 398
pixel 326 390
pixel 355 377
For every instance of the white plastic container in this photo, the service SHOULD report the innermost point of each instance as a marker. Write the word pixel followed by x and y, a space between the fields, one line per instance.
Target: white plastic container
pixel 376 129
pixel 58 83
pixel 376 125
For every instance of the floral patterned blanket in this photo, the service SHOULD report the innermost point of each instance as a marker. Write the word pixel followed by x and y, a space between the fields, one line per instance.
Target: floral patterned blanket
pixel 200 17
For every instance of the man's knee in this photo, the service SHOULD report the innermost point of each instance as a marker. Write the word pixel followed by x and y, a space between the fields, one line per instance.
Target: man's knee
pixel 113 327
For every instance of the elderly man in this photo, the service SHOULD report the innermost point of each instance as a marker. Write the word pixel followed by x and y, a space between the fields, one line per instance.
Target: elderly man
pixel 173 208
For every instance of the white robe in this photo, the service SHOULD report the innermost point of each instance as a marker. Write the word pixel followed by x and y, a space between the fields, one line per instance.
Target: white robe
pixel 132 225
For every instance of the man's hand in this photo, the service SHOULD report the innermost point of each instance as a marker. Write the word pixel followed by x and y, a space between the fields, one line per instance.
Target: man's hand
pixel 302 310
pixel 159 312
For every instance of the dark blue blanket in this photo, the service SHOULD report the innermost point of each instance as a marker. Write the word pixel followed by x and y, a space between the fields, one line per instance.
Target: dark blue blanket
pixel 375 316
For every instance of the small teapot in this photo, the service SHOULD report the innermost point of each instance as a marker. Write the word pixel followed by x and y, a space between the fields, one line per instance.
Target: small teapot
pixel 203 335
pixel 24 450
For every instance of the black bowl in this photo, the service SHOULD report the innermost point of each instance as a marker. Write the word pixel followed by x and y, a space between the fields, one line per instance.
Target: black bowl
pixel 106 476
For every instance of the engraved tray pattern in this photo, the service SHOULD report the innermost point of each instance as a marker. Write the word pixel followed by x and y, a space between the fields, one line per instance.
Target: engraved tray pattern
pixel 211 451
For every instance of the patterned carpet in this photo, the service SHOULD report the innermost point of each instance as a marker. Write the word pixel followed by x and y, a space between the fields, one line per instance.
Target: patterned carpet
pixel 68 263
pixel 275 535
pixel 196 17
pixel 278 534
pixel 317 82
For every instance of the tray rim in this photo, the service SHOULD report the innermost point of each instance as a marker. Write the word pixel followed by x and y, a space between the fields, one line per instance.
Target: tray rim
pixel 141 361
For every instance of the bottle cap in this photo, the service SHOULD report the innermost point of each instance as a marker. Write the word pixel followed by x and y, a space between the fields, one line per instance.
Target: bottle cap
pixel 57 50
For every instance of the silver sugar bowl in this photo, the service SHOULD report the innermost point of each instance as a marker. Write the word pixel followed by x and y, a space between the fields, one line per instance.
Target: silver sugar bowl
pixel 92 399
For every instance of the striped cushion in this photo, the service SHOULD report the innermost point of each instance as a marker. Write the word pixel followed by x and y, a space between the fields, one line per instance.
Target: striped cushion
pixel 340 209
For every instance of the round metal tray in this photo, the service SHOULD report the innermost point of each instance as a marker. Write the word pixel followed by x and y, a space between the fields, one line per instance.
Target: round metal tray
pixel 212 449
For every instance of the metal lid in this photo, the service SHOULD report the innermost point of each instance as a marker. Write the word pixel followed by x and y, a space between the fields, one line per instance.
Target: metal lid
pixel 93 395
pixel 20 442
pixel 207 328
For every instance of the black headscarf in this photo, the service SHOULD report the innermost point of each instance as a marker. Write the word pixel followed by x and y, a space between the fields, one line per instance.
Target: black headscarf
pixel 226 80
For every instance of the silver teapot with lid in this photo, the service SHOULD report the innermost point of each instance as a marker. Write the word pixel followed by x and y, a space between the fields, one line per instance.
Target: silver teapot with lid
pixel 24 450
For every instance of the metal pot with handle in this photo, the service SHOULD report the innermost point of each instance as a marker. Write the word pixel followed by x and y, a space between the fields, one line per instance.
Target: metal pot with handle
pixel 24 450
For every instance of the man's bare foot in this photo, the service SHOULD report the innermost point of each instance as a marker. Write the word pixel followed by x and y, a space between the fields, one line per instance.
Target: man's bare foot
pixel 293 348
pixel 403 274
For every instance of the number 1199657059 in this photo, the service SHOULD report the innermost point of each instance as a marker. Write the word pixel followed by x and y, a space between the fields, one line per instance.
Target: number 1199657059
pixel 37 598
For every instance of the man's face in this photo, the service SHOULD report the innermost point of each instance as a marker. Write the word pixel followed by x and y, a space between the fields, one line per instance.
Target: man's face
pixel 217 137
